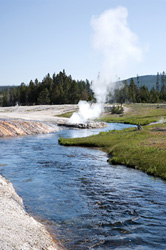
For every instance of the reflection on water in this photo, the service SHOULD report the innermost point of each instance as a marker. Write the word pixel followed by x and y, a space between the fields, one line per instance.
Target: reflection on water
pixel 73 133
pixel 87 202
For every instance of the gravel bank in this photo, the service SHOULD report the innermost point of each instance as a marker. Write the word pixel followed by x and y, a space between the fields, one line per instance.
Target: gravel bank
pixel 19 231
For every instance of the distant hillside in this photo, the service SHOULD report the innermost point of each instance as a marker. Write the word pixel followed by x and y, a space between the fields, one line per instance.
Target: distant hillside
pixel 148 80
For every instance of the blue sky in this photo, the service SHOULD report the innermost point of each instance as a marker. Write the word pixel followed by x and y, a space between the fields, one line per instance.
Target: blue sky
pixel 46 36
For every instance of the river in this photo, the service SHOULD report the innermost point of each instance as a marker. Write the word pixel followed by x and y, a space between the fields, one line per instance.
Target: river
pixel 84 201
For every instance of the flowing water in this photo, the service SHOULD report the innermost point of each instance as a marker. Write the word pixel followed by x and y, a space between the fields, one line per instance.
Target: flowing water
pixel 86 202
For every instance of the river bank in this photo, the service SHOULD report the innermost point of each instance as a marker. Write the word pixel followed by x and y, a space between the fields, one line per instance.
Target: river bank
pixel 20 127
pixel 144 150
pixel 143 113
pixel 83 200
pixel 30 120
pixel 18 229
pixel 46 174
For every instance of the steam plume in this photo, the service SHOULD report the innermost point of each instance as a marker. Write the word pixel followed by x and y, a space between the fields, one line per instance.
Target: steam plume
pixel 86 111
pixel 119 47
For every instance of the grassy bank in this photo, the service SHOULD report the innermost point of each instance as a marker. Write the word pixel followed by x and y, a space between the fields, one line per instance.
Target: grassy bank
pixel 138 113
pixel 144 150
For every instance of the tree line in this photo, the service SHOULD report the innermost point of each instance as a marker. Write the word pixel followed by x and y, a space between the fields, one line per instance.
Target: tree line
pixel 132 93
pixel 62 89
pixel 58 89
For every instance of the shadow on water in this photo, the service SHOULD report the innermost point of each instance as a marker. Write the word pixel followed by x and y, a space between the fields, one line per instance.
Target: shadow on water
pixel 88 203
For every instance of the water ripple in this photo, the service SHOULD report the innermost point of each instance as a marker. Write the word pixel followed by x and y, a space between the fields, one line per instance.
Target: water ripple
pixel 86 202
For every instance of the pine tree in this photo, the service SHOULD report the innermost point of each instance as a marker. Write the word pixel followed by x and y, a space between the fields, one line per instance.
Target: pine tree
pixel 138 81
pixel 74 93
pixel 31 93
pixel 163 78
pixel 44 97
pixel 157 82
pixel 154 97
pixel 133 90
pixel 163 93
pixel 144 94
pixel 23 94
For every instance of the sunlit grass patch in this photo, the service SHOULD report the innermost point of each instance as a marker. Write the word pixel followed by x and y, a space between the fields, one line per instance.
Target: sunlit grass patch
pixel 144 150
pixel 66 115
pixel 139 113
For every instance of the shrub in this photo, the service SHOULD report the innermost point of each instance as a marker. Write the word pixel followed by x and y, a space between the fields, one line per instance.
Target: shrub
pixel 117 110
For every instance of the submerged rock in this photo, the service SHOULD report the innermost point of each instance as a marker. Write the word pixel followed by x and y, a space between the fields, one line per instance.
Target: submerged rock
pixel 88 125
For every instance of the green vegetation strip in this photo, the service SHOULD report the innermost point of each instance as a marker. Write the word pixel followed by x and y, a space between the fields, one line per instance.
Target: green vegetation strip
pixel 139 113
pixel 144 150
pixel 66 115
pixel 132 120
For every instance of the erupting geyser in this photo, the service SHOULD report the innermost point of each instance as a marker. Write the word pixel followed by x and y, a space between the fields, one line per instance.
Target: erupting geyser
pixel 119 47
pixel 87 111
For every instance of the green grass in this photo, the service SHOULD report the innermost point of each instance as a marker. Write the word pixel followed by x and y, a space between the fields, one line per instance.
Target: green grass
pixel 67 114
pixel 139 113
pixel 131 120
pixel 144 150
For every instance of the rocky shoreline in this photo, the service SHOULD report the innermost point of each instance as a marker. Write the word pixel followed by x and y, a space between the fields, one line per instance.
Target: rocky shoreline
pixel 88 125
pixel 21 127
pixel 18 229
